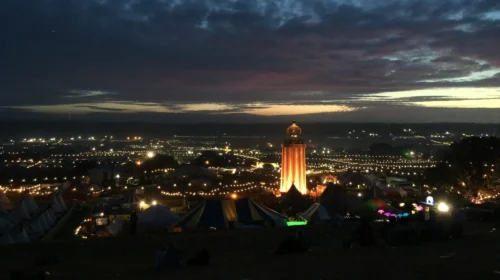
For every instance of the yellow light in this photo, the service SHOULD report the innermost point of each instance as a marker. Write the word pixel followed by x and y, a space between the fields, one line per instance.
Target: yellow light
pixel 402 204
pixel 443 207
pixel 138 163
pixel 234 196
pixel 141 204
pixel 150 154
pixel 154 202
pixel 207 162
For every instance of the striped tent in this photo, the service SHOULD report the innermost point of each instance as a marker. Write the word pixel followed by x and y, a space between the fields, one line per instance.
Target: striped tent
pixel 132 198
pixel 223 213
pixel 316 212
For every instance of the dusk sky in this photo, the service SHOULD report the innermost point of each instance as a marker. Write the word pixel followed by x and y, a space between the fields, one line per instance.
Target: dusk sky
pixel 251 60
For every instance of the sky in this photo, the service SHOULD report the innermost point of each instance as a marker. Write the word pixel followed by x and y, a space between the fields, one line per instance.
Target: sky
pixel 258 60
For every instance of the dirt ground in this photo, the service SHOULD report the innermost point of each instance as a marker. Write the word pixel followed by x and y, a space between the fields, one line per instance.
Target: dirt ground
pixel 249 255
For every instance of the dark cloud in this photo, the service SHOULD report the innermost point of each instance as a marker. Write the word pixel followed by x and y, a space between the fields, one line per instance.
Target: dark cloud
pixel 239 52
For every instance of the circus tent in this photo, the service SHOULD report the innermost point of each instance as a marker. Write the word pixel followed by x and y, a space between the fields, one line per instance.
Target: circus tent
pixel 316 212
pixel 157 216
pixel 226 213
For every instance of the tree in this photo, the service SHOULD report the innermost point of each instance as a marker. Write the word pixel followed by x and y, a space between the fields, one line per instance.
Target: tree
pixel 160 162
pixel 471 165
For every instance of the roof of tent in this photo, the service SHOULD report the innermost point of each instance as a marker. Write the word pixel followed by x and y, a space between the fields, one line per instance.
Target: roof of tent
pixel 157 215
pixel 19 213
pixel 29 202
pixel 219 213
pixel 20 236
pixel 294 201
pixel 316 212
pixel 4 225
pixel 5 201
pixel 56 204
pixel 115 227
pixel 131 198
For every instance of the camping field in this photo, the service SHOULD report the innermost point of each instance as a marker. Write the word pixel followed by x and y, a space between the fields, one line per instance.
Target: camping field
pixel 249 255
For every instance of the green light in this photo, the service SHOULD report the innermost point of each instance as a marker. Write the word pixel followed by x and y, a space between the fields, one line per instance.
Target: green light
pixel 296 223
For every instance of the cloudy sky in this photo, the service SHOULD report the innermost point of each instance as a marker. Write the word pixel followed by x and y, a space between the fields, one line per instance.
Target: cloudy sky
pixel 244 60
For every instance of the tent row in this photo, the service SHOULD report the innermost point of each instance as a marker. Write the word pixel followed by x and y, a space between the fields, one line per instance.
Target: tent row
pixel 242 213
pixel 26 221
pixel 334 204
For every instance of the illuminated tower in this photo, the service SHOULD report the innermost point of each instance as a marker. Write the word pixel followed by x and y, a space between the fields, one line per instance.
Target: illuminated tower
pixel 293 160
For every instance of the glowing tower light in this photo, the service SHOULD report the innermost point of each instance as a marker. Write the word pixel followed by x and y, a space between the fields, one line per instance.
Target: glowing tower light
pixel 293 160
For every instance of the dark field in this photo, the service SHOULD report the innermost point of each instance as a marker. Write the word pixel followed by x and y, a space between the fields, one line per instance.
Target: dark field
pixel 249 255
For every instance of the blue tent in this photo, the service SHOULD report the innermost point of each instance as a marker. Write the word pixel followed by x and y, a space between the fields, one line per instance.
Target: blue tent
pixel 222 213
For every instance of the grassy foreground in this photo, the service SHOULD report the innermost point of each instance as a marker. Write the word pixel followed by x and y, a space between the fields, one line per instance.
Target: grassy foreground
pixel 249 255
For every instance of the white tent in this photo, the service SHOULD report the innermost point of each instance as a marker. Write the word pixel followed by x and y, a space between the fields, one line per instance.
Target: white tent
pixel 20 213
pixel 6 239
pixel 56 205
pixel 42 221
pixel 49 217
pixel 157 216
pixel 3 210
pixel 20 237
pixel 30 204
pixel 4 225
pixel 316 212
pixel 5 201
pixel 60 199
pixel 116 226
pixel 34 228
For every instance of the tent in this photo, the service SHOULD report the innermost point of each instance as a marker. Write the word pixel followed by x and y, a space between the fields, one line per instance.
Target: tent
pixel 316 212
pixel 43 222
pixel 115 226
pixel 5 201
pixel 34 229
pixel 294 202
pixel 57 207
pixel 20 236
pixel 6 239
pixel 61 202
pixel 157 216
pixel 223 213
pixel 4 225
pixel 334 198
pixel 30 204
pixel 132 198
pixel 19 213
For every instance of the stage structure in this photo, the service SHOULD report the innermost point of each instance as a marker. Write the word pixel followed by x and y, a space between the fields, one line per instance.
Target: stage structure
pixel 293 160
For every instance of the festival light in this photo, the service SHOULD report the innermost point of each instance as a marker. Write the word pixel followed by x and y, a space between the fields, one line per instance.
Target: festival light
pixel 443 207
pixel 296 223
